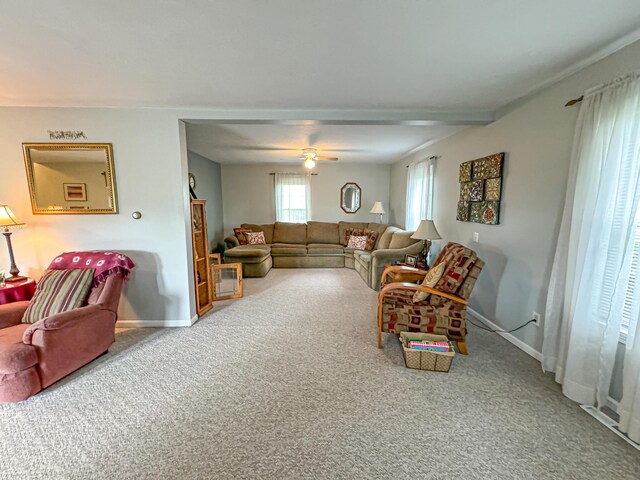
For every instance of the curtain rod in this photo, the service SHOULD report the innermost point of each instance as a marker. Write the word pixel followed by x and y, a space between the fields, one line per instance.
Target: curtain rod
pixel 574 101
pixel 432 157
pixel 290 173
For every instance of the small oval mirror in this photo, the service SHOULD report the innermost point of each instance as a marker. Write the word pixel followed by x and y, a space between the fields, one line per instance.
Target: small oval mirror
pixel 350 197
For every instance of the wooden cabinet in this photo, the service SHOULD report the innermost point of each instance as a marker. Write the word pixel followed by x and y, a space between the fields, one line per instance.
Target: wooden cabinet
pixel 201 270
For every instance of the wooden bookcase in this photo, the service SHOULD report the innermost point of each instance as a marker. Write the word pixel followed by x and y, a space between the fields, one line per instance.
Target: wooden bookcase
pixel 201 270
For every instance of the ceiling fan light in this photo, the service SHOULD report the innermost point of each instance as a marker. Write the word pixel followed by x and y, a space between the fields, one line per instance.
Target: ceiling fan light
pixel 309 163
pixel 309 152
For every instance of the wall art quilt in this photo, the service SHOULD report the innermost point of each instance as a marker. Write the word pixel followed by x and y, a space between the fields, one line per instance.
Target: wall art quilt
pixel 481 190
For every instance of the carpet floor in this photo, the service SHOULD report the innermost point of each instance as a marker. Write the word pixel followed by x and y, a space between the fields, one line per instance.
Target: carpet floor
pixel 287 383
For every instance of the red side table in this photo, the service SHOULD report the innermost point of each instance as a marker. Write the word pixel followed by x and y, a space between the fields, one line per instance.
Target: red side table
pixel 17 291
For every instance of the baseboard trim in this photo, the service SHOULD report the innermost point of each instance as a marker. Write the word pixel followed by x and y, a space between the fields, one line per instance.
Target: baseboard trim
pixel 507 336
pixel 609 423
pixel 154 323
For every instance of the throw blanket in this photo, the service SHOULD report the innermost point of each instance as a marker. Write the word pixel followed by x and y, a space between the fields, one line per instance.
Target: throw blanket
pixel 104 263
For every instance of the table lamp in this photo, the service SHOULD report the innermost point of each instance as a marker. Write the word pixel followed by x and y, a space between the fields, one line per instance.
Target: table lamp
pixel 426 231
pixel 8 221
pixel 379 209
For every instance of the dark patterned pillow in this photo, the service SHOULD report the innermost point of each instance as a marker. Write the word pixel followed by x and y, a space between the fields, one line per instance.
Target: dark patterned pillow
pixel 372 236
pixel 240 235
pixel 59 291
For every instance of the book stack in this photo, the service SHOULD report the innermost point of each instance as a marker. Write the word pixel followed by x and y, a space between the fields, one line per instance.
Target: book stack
pixel 417 344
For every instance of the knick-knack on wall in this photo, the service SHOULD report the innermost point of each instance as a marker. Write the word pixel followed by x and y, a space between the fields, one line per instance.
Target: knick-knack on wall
pixel 480 190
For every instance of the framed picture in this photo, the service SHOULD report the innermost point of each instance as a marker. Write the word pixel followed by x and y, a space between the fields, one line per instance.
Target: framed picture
pixel 75 192
pixel 411 260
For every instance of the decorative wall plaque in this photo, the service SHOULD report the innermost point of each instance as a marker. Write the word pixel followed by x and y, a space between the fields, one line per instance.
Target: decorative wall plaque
pixel 481 190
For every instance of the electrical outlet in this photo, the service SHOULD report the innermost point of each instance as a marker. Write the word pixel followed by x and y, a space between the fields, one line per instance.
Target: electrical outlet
pixel 538 318
pixel 476 236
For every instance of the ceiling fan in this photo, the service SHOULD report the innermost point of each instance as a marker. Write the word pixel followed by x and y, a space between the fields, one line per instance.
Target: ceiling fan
pixel 310 157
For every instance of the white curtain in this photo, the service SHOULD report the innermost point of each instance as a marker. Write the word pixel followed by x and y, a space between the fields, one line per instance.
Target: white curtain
pixel 293 197
pixel 419 193
pixel 592 265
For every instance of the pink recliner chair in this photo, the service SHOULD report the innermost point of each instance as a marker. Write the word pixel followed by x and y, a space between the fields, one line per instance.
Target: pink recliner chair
pixel 34 356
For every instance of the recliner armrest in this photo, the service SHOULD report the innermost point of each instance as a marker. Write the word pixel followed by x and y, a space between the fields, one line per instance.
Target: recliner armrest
pixel 71 319
pixel 420 288
pixel 11 313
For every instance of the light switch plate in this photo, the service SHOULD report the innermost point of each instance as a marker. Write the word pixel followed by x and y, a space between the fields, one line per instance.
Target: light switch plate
pixel 475 236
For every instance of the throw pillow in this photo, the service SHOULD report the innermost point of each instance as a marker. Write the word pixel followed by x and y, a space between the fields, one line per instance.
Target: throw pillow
pixel 372 236
pixel 59 291
pixel 255 238
pixel 432 277
pixel 357 232
pixel 359 242
pixel 240 234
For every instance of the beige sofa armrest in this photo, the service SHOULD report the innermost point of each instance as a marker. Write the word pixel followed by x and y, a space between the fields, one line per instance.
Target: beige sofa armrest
pixel 381 257
pixel 232 241
pixel 396 253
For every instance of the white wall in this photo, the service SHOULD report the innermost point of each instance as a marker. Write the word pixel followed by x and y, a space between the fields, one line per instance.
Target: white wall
pixel 537 138
pixel 209 187
pixel 248 192
pixel 149 178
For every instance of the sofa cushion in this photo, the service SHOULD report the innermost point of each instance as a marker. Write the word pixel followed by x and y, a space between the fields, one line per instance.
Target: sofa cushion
pixel 385 239
pixel 323 232
pixel 379 228
pixel 247 254
pixel 402 240
pixel 290 233
pixel 15 355
pixel 288 249
pixel 363 257
pixel 325 249
pixel 343 226
pixel 59 291
pixel 267 228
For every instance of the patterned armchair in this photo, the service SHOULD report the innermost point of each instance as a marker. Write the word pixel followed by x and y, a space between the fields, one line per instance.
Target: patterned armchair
pixel 443 311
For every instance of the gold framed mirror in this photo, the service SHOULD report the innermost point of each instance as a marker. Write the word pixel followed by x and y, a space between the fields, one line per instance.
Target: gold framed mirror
pixel 71 178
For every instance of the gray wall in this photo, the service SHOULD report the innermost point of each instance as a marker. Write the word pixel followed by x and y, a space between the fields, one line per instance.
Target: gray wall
pixel 149 179
pixel 248 192
pixel 537 137
pixel 209 187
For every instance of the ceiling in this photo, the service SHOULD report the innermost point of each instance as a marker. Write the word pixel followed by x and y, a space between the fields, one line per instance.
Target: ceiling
pixel 266 143
pixel 356 54
pixel 456 59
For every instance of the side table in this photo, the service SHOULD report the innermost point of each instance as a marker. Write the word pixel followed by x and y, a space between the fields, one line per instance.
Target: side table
pixel 17 291
pixel 405 274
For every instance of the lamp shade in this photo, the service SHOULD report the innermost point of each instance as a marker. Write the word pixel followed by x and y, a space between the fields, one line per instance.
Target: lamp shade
pixel 378 208
pixel 8 219
pixel 426 231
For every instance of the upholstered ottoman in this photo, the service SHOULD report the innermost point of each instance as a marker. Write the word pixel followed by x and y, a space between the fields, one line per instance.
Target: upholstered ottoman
pixel 255 259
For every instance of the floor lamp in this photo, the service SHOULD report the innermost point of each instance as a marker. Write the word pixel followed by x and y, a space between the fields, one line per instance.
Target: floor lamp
pixel 8 221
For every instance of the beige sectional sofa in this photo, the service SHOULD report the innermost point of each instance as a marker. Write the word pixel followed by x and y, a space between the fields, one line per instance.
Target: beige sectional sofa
pixel 320 245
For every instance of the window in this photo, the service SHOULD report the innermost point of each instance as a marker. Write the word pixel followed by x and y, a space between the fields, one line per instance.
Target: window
pixel 419 193
pixel 293 198
pixel 629 313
